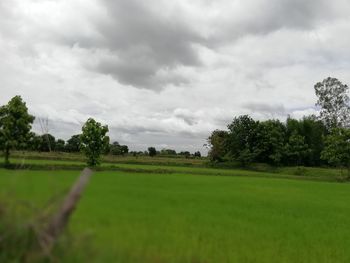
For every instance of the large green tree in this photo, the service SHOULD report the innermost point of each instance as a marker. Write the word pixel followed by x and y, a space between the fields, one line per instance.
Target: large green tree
pixel 93 141
pixel 334 102
pixel 15 126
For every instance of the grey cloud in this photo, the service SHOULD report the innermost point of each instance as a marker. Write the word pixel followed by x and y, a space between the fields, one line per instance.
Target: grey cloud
pixel 141 72
pixel 136 130
pixel 145 46
pixel 266 16
pixel 187 116
pixel 144 43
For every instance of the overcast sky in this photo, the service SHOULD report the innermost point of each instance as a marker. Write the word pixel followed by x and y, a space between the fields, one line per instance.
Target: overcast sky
pixel 166 73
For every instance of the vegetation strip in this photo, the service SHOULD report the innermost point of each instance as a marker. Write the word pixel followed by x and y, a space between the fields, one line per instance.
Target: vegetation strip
pixel 298 173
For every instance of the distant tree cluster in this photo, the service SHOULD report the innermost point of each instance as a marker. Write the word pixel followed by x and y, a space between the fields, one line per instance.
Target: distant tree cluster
pixel 116 149
pixel 309 141
pixel 48 142
pixel 172 153
pixel 295 142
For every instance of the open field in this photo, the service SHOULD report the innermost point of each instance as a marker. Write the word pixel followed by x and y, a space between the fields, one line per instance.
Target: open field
pixel 180 217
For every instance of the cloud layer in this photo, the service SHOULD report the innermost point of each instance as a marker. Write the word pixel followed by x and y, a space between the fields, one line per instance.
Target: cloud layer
pixel 166 73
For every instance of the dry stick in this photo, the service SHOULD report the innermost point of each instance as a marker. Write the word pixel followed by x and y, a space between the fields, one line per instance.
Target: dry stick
pixel 60 220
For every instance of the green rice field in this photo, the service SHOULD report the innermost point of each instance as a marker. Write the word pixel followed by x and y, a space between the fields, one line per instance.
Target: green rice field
pixel 127 216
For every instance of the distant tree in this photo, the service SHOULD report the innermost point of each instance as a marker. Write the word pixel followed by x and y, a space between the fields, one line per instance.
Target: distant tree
pixel 44 125
pixel 217 143
pixel 167 152
pixel 115 148
pixel 270 138
pixel 48 143
pixel 93 141
pixel 60 145
pixel 242 139
pixel 314 131
pixel 106 149
pixel 124 149
pixel 337 148
pixel 187 154
pixel 136 153
pixel 34 142
pixel 197 154
pixel 334 102
pixel 296 149
pixel 73 144
pixel 152 151
pixel 15 126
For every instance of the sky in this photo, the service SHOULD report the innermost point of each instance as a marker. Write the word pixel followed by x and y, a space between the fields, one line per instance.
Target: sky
pixel 167 73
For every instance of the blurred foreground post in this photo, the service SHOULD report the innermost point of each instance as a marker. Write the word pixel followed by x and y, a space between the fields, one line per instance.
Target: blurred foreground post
pixel 61 218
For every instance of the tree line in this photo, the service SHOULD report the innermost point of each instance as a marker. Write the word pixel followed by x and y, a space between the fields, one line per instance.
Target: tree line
pixel 311 141
pixel 15 133
pixel 47 142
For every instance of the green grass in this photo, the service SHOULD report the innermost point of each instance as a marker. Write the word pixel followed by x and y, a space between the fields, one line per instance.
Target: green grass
pixel 140 217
